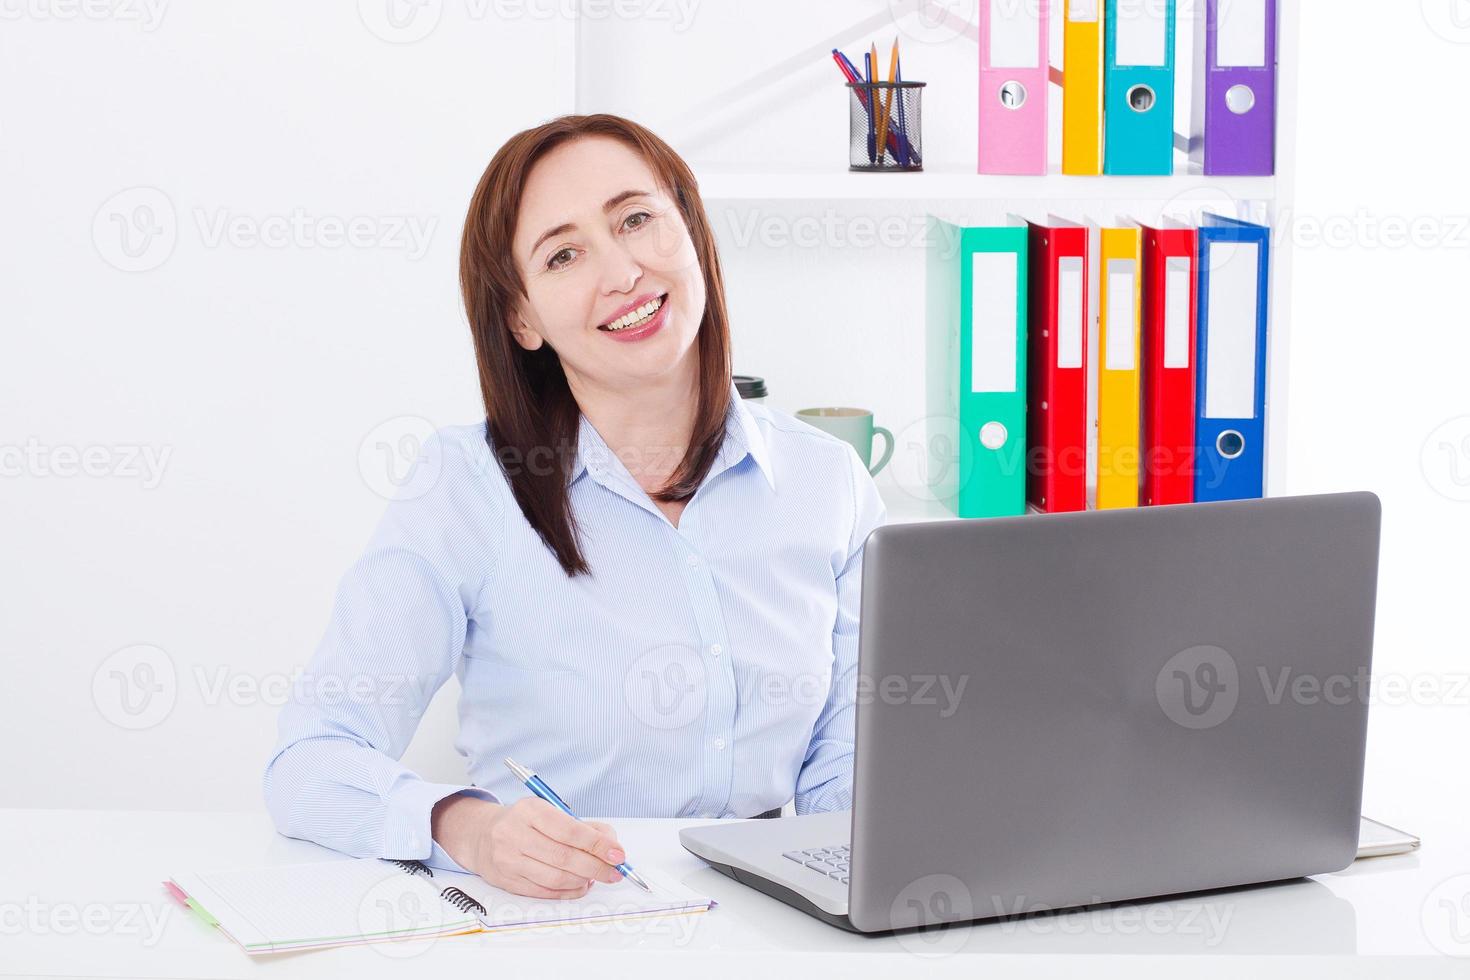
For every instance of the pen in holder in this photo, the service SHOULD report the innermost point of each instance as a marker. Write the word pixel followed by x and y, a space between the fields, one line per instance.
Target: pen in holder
pixel 894 106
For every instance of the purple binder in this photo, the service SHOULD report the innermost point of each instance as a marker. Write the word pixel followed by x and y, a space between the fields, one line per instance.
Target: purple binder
pixel 1238 115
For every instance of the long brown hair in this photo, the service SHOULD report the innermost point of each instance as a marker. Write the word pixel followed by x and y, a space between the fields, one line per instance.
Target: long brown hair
pixel 532 417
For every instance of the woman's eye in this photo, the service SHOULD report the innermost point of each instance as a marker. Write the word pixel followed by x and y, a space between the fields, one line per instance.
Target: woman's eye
pixel 638 214
pixel 552 262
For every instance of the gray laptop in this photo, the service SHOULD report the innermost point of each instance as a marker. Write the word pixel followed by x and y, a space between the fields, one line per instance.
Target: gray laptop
pixel 1068 709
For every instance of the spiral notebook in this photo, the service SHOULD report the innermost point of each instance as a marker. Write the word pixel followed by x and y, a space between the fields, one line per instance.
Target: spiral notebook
pixel 365 900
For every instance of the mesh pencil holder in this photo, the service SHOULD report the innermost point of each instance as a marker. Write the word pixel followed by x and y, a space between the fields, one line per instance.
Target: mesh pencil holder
pixel 901 103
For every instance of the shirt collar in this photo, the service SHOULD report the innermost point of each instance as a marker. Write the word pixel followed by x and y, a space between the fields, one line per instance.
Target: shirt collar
pixel 743 437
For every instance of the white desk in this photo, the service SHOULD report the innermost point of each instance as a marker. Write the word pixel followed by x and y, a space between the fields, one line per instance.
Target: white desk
pixel 80 895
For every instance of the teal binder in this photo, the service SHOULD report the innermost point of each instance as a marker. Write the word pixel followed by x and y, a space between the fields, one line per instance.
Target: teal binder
pixel 1138 87
pixel 976 355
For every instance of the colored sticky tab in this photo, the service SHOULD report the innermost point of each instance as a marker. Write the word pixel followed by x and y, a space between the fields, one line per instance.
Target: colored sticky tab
pixel 200 911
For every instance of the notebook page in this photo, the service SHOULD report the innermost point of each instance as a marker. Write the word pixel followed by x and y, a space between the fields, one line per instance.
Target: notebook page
pixel 504 910
pixel 323 903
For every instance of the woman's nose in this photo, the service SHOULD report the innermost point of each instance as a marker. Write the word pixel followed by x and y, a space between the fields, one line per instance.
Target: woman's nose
pixel 620 271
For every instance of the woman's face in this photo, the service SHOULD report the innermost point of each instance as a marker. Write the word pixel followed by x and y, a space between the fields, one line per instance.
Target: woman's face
pixel 599 244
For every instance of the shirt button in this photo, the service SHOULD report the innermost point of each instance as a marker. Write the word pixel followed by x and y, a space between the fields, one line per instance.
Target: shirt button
pixel 715 650
pixel 719 743
pixel 693 561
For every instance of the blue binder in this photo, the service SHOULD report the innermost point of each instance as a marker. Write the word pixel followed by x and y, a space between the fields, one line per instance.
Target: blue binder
pixel 1230 413
pixel 1138 87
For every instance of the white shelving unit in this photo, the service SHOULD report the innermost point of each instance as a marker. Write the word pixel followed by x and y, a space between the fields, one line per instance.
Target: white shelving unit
pixel 791 96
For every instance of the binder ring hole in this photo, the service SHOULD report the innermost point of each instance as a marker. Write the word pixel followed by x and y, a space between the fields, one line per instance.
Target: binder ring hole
pixel 993 435
pixel 1230 443
pixel 1013 95
pixel 1141 98
pixel 1239 99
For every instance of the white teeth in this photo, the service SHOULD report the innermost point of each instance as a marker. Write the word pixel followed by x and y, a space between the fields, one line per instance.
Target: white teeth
pixel 637 317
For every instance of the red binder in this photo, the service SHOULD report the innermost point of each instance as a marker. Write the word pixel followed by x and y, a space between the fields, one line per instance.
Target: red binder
pixel 1056 383
pixel 1170 305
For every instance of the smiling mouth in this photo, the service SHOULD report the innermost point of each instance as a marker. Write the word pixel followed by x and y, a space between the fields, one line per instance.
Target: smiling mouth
pixel 638 317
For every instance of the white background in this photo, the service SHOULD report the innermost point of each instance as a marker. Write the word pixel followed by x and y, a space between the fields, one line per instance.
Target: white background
pixel 262 368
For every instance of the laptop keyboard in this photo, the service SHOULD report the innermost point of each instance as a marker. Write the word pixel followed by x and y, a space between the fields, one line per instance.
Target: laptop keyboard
pixel 829 861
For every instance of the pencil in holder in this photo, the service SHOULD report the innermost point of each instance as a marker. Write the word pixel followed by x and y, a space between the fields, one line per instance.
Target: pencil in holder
pixel 897 107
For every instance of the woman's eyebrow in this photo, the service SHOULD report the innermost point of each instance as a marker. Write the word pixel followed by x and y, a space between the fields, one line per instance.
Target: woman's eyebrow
pixel 607 205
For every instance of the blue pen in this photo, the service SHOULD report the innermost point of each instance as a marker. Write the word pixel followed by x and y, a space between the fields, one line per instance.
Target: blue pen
pixel 872 95
pixel 903 129
pixel 535 785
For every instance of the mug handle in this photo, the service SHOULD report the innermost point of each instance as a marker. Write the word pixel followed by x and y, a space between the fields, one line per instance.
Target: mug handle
pixel 878 430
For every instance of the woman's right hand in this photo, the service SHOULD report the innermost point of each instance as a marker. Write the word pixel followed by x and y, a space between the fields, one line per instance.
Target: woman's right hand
pixel 529 847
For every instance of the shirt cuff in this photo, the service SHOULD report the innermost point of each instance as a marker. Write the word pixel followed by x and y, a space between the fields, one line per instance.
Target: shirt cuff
pixel 407 830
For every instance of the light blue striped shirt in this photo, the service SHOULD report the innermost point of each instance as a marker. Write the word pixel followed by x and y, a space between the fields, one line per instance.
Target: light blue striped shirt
pixel 704 670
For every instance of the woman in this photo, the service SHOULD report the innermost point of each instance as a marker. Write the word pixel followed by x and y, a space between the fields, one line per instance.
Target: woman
pixel 647 588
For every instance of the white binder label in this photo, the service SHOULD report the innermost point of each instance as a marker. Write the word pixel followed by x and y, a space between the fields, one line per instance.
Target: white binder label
pixel 1069 313
pixel 1082 11
pixel 1176 313
pixel 994 286
pixel 1143 33
pixel 1122 319
pixel 1230 331
pixel 1015 33
pixel 1240 34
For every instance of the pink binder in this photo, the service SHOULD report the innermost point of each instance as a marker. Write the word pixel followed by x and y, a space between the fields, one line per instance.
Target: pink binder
pixel 1014 75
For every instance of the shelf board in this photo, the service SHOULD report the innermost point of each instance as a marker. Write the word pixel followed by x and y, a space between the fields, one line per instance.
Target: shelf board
pixel 956 184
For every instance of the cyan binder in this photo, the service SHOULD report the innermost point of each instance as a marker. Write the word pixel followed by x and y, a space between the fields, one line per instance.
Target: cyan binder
pixel 1230 421
pixel 976 353
pixel 1138 87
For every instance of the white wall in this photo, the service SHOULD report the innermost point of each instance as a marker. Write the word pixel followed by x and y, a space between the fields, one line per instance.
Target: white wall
pixel 260 370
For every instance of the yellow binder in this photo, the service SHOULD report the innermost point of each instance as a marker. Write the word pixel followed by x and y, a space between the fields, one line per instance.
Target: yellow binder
pixel 1120 285
pixel 1082 88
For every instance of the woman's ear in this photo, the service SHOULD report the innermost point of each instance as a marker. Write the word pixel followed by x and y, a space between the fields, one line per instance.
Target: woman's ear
pixel 524 335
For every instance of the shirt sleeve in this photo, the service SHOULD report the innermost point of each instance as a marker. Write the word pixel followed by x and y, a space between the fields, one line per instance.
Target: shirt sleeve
pixel 825 780
pixel 396 633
